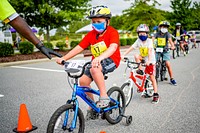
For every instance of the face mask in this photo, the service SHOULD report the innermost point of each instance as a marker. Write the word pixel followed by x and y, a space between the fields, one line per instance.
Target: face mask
pixel 99 27
pixel 143 38
pixel 164 30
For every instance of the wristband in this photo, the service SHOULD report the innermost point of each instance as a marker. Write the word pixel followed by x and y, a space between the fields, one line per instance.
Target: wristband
pixel 10 18
pixel 39 45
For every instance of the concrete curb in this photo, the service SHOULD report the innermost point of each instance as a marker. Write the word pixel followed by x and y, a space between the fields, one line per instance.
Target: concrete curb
pixel 39 60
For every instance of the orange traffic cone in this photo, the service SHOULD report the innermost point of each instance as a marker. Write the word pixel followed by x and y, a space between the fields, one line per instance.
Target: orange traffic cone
pixel 24 123
pixel 103 132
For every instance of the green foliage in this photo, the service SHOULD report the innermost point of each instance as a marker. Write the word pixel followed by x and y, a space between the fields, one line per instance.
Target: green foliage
pixel 123 42
pixel 6 49
pixel 181 13
pixel 61 45
pixel 48 45
pixel 74 43
pixel 139 13
pixel 49 14
pixel 130 41
pixel 26 48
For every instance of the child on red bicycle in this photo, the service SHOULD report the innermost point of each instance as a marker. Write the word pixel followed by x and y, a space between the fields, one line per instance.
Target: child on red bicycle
pixel 147 53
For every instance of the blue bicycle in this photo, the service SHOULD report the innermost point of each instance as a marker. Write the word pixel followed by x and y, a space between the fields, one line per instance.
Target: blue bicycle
pixel 70 118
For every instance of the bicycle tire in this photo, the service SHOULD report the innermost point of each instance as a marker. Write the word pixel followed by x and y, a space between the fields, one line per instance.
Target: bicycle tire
pixel 157 70
pixel 121 109
pixel 174 54
pixel 149 87
pixel 128 92
pixel 178 51
pixel 56 118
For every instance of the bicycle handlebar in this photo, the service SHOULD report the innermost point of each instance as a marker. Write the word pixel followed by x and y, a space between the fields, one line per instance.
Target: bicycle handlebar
pixel 71 70
pixel 132 62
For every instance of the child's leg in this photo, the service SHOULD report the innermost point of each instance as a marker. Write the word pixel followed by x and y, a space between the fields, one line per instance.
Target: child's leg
pixel 154 83
pixel 138 59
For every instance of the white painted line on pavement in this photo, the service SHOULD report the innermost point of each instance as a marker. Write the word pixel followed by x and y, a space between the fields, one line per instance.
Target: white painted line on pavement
pixel 39 69
pixel 1 95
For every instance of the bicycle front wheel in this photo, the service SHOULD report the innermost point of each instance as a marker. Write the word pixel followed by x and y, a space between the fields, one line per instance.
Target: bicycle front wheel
pixel 115 115
pixel 127 88
pixel 174 54
pixel 62 118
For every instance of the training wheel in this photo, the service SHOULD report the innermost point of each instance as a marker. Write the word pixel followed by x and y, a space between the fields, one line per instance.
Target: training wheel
pixel 128 120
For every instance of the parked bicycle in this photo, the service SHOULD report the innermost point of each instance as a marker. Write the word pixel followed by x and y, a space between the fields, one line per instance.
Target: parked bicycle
pixel 161 68
pixel 142 82
pixel 69 117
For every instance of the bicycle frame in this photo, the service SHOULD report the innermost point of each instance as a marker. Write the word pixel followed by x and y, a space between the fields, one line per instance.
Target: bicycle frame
pixel 81 92
pixel 134 77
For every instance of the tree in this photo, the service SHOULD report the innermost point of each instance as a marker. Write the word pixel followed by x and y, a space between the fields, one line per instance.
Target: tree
pixel 181 13
pixel 49 14
pixel 196 15
pixel 141 12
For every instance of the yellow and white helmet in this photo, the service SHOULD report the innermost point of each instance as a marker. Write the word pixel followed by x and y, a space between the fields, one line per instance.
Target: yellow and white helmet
pixel 100 11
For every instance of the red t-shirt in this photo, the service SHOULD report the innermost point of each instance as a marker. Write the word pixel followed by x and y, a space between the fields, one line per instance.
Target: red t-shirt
pixel 110 36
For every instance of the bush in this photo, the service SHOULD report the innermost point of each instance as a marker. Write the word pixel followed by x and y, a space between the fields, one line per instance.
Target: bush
pixel 74 43
pixel 48 45
pixel 60 45
pixel 6 49
pixel 130 41
pixel 26 47
pixel 123 42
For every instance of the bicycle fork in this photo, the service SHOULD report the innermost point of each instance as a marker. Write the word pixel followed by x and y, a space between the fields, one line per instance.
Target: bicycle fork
pixel 73 124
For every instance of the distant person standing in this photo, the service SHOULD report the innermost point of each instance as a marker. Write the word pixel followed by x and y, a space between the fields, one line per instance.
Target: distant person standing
pixel 18 40
pixel 42 37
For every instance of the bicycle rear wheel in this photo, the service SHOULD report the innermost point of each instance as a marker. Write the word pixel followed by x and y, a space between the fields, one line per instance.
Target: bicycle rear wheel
pixel 115 115
pixel 149 87
pixel 65 114
pixel 127 88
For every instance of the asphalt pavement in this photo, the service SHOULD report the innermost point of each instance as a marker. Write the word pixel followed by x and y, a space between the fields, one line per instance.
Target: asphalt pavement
pixel 43 87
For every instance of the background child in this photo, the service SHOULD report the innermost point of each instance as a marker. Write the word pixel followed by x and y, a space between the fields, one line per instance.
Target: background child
pixel 147 53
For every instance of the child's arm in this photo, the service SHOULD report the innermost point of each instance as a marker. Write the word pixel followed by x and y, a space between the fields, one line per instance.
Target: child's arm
pixel 128 51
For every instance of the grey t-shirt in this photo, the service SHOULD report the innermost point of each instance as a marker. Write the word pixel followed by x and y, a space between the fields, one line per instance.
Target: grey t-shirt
pixel 162 40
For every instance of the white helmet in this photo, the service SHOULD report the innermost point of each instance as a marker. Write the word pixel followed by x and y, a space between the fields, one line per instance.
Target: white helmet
pixel 142 28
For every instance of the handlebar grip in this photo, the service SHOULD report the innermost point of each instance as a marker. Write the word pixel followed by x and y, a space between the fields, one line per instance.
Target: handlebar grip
pixel 63 62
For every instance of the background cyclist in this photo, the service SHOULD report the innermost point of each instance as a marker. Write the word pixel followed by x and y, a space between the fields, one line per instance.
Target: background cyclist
pixel 146 48
pixel 9 16
pixel 193 39
pixel 163 36
pixel 178 33
pixel 104 43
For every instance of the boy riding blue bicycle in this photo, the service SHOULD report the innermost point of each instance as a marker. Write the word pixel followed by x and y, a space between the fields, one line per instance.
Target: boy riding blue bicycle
pixel 104 43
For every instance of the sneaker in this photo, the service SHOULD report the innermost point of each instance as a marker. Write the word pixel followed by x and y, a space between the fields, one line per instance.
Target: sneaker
pixel 173 82
pixel 139 72
pixel 103 102
pixel 155 98
pixel 91 115
pixel 184 53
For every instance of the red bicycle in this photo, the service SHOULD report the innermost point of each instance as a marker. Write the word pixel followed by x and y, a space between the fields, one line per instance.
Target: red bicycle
pixel 142 82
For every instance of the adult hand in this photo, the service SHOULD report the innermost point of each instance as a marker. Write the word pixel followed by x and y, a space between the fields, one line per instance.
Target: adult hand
pixel 47 51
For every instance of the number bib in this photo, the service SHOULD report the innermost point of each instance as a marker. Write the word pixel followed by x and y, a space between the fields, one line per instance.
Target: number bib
pixel 98 48
pixel 161 41
pixel 186 38
pixel 143 51
pixel 178 35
